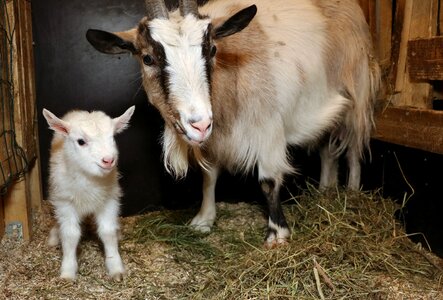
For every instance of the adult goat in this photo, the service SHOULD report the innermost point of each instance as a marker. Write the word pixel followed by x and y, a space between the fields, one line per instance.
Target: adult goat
pixel 238 81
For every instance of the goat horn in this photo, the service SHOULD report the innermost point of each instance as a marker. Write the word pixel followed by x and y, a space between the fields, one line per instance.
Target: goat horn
pixel 156 9
pixel 188 7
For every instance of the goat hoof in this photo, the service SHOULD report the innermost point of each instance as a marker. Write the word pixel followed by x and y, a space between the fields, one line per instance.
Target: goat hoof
pixel 117 277
pixel 201 228
pixel 68 277
pixel 275 243
pixel 277 239
pixel 201 225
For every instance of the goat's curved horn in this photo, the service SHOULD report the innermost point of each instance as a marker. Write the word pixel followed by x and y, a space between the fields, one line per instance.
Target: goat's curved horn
pixel 156 9
pixel 188 7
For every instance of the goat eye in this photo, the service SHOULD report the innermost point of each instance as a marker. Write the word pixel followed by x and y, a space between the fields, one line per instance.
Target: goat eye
pixel 81 142
pixel 213 51
pixel 148 60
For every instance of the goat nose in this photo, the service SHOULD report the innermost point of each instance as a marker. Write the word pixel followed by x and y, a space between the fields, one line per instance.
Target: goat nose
pixel 107 161
pixel 202 125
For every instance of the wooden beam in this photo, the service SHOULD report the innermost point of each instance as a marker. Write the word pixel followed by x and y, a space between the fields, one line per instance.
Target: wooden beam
pixel 397 29
pixel 440 19
pixel 425 59
pixel 419 21
pixel 2 218
pixel 383 32
pixel 401 65
pixel 411 127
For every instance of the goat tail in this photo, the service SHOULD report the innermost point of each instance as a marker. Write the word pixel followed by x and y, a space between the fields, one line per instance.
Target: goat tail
pixel 355 130
pixel 363 121
pixel 374 88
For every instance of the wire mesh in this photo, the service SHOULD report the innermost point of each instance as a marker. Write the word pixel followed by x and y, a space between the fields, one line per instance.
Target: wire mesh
pixel 13 161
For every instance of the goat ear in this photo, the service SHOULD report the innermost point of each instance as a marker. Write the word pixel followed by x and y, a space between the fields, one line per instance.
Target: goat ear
pixel 236 23
pixel 55 123
pixel 122 122
pixel 112 43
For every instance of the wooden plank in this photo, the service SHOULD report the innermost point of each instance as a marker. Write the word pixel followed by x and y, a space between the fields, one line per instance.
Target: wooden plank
pixel 440 19
pixel 24 197
pixel 397 29
pixel 7 166
pixel 27 70
pixel 383 43
pixel 16 202
pixel 17 208
pixel 420 21
pixel 369 10
pixel 411 127
pixel 2 218
pixel 384 32
pixel 35 187
pixel 401 66
pixel 425 59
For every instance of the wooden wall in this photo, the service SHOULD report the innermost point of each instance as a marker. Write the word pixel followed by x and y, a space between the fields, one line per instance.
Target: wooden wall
pixel 408 46
pixel 24 196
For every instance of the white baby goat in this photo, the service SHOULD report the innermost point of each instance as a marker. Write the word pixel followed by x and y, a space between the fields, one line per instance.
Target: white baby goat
pixel 84 181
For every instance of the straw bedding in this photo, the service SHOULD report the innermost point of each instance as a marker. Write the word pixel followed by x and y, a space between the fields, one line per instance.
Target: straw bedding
pixel 343 246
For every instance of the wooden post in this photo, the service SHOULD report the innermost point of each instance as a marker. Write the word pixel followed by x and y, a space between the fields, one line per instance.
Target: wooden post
pixel 440 19
pixel 411 127
pixel 24 196
pixel 383 32
pixel 2 218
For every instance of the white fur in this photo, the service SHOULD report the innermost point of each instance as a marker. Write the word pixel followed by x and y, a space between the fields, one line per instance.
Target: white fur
pixel 186 69
pixel 280 237
pixel 82 184
pixel 204 220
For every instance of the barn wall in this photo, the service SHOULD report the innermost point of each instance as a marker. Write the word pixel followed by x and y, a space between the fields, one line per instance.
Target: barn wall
pixel 70 74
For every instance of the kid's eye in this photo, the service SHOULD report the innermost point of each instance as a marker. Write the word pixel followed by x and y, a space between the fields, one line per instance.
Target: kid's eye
pixel 148 60
pixel 81 142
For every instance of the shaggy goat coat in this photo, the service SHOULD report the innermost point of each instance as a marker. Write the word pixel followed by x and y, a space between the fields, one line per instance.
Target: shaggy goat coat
pixel 238 81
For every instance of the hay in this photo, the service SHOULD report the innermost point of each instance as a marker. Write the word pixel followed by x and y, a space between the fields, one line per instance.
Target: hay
pixel 343 246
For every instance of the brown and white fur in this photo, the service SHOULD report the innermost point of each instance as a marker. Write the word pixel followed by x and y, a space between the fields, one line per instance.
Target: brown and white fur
pixel 238 81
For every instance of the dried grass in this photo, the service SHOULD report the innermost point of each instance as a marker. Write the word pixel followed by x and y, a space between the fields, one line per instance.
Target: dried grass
pixel 343 246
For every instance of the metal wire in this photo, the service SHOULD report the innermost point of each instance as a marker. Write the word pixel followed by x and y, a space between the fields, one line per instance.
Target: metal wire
pixel 13 161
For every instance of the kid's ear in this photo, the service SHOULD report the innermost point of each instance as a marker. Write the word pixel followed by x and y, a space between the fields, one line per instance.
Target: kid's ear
pixel 122 122
pixel 112 43
pixel 55 123
pixel 236 23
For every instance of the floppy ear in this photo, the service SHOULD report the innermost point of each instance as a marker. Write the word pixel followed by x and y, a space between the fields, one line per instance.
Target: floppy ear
pixel 112 43
pixel 55 123
pixel 236 23
pixel 122 122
